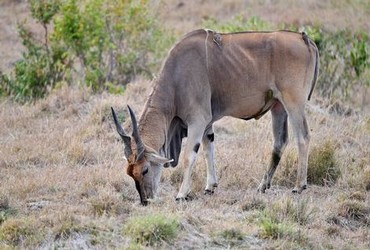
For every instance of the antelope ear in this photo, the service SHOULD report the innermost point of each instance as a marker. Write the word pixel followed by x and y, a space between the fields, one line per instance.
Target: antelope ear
pixel 156 158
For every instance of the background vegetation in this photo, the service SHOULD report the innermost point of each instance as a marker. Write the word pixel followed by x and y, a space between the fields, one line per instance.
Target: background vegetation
pixel 62 176
pixel 97 43
pixel 105 44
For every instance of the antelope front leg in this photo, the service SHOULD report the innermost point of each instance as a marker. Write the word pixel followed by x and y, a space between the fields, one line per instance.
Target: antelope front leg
pixel 195 134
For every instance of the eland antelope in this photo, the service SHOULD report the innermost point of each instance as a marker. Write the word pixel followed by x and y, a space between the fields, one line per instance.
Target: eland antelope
pixel 207 76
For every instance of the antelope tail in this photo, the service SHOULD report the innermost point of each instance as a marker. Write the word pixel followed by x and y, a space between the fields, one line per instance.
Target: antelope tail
pixel 317 65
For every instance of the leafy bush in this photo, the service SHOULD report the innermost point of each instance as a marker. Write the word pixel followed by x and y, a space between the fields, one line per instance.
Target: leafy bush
pixel 41 64
pixel 151 229
pixel 112 40
pixel 99 43
pixel 344 64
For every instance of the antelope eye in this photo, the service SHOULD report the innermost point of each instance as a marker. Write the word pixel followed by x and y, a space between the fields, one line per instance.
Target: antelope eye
pixel 145 171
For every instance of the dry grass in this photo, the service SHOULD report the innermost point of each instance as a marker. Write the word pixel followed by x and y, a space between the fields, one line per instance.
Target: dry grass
pixel 63 185
pixel 63 163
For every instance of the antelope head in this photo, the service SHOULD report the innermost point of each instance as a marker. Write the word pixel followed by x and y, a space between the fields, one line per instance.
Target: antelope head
pixel 143 163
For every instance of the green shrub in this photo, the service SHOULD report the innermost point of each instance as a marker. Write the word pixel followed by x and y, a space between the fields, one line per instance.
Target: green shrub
pixel 344 63
pixel 41 64
pixel 151 229
pixel 113 41
pixel 99 43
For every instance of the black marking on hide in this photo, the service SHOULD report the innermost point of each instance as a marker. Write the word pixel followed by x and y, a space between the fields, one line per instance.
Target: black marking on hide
pixel 211 137
pixel 275 159
pixel 196 147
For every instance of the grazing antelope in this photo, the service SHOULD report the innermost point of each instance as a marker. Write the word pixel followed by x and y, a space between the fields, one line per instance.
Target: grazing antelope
pixel 207 76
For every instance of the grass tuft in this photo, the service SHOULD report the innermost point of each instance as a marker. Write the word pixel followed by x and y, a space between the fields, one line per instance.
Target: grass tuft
pixel 367 178
pixel 152 230
pixel 66 226
pixel 229 237
pixel 254 204
pixel 232 234
pixel 271 228
pixel 4 202
pixel 17 231
pixel 323 168
pixel 355 210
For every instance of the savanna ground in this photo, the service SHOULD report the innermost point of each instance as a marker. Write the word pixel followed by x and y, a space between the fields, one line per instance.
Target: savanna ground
pixel 63 182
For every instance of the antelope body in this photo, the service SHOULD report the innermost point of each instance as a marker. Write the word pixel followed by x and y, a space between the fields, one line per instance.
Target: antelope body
pixel 209 75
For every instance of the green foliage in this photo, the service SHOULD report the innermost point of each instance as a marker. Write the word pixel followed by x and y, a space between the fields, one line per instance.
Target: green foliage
pixel 283 218
pixel 44 10
pixel 113 40
pixel 271 228
pixel 344 63
pixel 41 64
pixel 360 54
pixel 98 43
pixel 151 229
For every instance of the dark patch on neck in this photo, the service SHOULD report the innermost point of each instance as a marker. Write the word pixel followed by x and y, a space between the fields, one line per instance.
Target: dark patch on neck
pixel 211 137
pixel 196 147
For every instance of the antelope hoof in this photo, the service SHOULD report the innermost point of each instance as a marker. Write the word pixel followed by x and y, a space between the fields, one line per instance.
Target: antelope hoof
pixel 210 189
pixel 183 199
pixel 262 188
pixel 298 190
pixel 208 192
